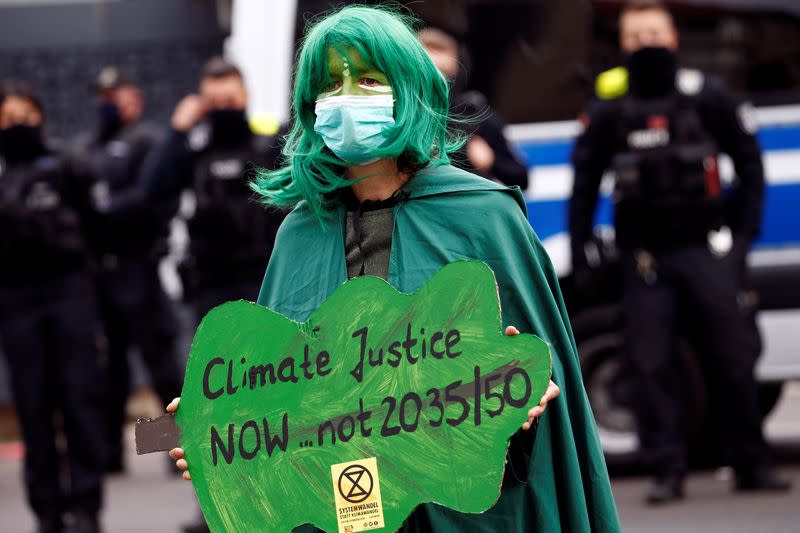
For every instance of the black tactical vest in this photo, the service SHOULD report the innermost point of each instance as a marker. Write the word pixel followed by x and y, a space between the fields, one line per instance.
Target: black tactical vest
pixel 113 167
pixel 40 220
pixel 232 235
pixel 667 189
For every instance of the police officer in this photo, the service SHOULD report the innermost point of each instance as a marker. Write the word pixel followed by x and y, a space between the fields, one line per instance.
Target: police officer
pixel 128 238
pixel 211 150
pixel 48 319
pixel 682 241
pixel 487 151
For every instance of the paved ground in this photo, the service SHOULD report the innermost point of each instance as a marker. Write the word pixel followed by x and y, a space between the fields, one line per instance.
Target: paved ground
pixel 711 507
pixel 147 499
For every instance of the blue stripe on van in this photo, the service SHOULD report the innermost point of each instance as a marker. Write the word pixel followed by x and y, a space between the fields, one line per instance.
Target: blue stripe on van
pixel 558 151
pixel 780 137
pixel 780 226
pixel 546 153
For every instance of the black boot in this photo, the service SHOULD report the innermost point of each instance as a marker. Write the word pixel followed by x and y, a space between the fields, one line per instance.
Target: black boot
pixel 49 524
pixel 762 478
pixel 115 465
pixel 197 527
pixel 665 489
pixel 82 523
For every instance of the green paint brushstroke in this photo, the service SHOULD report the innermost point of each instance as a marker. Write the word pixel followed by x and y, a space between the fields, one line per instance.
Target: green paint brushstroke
pixel 261 443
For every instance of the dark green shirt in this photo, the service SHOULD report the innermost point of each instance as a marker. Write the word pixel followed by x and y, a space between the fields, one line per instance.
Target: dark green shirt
pixel 370 256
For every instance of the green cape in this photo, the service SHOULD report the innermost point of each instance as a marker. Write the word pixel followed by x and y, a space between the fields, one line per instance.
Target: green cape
pixel 555 482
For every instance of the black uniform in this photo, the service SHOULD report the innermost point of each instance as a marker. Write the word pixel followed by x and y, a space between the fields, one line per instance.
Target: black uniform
pixel 49 328
pixel 507 167
pixel 231 235
pixel 667 197
pixel 128 237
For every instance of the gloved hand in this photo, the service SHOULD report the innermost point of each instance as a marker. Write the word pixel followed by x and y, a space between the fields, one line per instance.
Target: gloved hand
pixel 101 197
pixel 586 271
pixel 585 279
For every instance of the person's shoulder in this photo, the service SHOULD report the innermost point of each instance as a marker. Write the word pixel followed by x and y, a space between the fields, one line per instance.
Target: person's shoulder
pixel 80 142
pixel 705 87
pixel 716 94
pixel 448 180
pixel 262 143
pixel 472 100
pixel 714 97
pixel 197 139
pixel 298 219
pixel 266 124
pixel 147 130
pixel 611 84
pixel 299 214
pixel 134 140
pixel 696 82
pixel 692 82
pixel 603 110
pixel 455 187
pixel 600 117
pixel 75 151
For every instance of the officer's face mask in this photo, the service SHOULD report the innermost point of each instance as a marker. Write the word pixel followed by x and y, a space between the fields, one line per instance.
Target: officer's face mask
pixel 228 126
pixel 651 71
pixel 354 126
pixel 21 142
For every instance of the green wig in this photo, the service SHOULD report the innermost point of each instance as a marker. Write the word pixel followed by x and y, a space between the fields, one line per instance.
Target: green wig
pixel 384 39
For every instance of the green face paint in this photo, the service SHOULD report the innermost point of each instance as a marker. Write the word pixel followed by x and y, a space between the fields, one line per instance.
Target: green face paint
pixel 351 75
pixel 355 111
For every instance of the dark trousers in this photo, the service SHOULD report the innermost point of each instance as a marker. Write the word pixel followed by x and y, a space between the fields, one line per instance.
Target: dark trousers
pixel 50 335
pixel 689 280
pixel 137 313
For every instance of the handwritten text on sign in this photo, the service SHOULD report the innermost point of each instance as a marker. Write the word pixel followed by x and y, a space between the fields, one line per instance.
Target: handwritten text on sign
pixel 426 385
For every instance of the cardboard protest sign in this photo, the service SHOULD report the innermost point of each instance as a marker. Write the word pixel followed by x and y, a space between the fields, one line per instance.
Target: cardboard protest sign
pixel 380 402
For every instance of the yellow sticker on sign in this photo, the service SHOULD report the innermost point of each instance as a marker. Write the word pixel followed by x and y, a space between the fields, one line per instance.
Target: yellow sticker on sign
pixel 357 492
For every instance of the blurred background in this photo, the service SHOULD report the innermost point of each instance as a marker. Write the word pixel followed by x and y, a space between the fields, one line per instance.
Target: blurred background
pixel 536 63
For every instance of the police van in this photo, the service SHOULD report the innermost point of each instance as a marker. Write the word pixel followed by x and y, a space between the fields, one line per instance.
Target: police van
pixel 536 62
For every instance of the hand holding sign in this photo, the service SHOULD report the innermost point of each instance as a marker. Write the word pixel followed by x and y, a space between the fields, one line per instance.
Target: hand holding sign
pixel 380 402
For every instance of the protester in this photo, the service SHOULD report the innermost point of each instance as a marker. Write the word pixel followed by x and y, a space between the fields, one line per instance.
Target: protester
pixel 370 140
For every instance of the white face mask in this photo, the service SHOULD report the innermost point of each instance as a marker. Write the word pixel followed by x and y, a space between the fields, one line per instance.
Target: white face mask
pixel 354 127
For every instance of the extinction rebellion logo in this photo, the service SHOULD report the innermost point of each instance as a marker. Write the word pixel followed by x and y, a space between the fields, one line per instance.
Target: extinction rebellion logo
pixel 355 484
pixel 357 492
